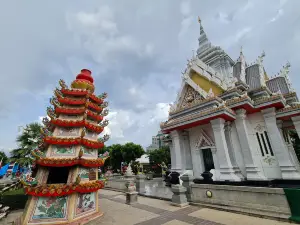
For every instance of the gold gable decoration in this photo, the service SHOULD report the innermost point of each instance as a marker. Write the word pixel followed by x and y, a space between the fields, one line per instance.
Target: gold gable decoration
pixel 205 84
pixel 190 96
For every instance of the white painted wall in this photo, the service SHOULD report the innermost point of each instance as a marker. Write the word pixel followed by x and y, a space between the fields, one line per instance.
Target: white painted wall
pixel 237 150
pixel 271 170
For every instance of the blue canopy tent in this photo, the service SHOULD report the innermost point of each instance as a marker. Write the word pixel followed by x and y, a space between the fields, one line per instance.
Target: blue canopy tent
pixel 15 168
pixel 3 170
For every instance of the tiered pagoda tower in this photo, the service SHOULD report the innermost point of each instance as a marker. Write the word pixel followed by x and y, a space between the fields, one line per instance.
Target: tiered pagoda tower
pixel 65 190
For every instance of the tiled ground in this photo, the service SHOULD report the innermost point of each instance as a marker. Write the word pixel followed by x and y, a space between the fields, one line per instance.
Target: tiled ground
pixel 150 211
pixel 158 212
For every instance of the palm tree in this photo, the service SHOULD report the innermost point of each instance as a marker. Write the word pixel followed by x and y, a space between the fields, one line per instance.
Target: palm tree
pixel 27 141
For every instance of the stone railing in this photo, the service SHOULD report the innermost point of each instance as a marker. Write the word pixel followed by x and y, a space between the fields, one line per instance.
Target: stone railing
pixel 116 182
pixel 261 201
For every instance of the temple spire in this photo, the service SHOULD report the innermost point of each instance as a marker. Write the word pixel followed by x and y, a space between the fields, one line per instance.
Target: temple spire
pixel 239 69
pixel 204 43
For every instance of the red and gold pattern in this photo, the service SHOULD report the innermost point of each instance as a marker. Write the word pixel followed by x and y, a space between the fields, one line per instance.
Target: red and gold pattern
pixel 83 84
pixel 78 123
pixel 73 141
pixel 71 101
pixel 69 111
pixel 96 99
pixel 94 116
pixel 74 92
pixel 95 107
pixel 55 190
pixel 62 162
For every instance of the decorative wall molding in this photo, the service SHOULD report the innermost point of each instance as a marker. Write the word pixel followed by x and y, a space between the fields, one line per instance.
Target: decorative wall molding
pixel 189 97
pixel 260 128
pixel 204 141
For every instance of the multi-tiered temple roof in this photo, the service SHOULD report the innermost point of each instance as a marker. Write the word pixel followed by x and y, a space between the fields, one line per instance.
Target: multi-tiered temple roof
pixel 214 86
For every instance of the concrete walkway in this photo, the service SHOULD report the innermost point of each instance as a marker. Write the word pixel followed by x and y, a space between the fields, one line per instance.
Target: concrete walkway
pixel 150 211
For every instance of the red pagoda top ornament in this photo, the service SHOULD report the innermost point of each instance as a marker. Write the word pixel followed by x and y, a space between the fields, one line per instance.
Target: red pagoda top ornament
pixel 84 80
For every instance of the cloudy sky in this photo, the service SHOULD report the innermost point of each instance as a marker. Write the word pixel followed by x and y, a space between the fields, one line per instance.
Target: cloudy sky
pixel 135 49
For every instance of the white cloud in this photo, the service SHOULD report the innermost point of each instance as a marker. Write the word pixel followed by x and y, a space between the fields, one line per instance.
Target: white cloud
pixel 223 17
pixel 160 113
pixel 185 8
pixel 132 44
pixel 277 16
pixel 98 33
pixel 242 33
pixel 127 125
pixel 236 38
pixel 132 91
pixel 187 18
pixel 118 122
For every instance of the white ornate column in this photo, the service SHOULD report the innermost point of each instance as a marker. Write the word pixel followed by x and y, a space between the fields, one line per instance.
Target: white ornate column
pixel 253 167
pixel 289 145
pixel 296 122
pixel 187 151
pixel 231 150
pixel 288 169
pixel 176 153
pixel 216 163
pixel 197 165
pixel 226 170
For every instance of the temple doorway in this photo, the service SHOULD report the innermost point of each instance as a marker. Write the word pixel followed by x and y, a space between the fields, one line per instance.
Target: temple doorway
pixel 208 159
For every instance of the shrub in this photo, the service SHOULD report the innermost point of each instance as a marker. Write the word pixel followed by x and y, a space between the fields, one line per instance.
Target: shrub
pixel 15 199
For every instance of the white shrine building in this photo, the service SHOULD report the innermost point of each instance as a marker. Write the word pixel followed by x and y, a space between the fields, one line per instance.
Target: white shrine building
pixel 232 119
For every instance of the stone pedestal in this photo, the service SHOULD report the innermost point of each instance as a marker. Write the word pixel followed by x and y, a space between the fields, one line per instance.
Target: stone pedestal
pixel 140 183
pixel 179 196
pixel 129 179
pixel 187 181
pixel 131 197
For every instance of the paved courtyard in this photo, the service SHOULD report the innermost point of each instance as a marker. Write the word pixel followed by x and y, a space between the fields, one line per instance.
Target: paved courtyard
pixel 149 211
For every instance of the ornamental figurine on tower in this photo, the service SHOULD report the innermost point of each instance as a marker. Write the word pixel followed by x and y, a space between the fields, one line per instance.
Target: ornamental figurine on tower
pixel 65 190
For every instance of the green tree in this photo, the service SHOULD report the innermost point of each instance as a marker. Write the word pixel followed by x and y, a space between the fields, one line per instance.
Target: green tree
pixel 131 152
pixel 3 157
pixel 116 156
pixel 158 156
pixel 27 141
pixel 121 153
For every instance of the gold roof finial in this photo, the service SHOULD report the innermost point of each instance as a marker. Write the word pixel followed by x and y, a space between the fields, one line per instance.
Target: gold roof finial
pixel 199 20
